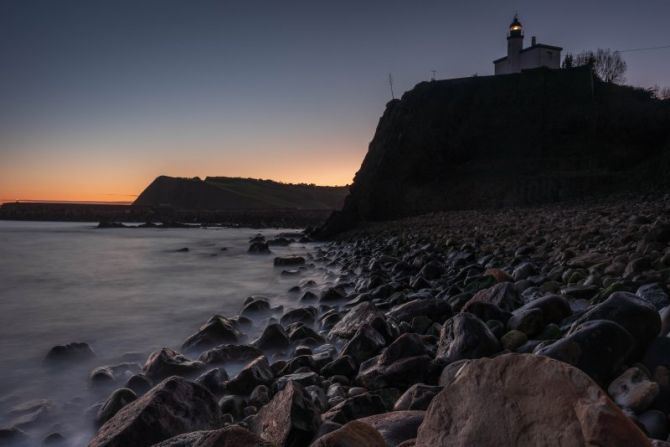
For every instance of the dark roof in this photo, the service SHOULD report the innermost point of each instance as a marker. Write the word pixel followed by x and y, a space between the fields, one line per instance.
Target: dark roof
pixel 499 60
pixel 541 45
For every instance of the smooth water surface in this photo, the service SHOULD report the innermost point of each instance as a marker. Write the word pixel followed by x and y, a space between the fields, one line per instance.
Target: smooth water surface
pixel 122 291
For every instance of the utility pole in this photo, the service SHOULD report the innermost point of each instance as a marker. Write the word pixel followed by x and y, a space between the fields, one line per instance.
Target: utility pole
pixel 434 72
pixel 391 85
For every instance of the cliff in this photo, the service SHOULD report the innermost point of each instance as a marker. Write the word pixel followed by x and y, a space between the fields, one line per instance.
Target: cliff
pixel 524 139
pixel 228 193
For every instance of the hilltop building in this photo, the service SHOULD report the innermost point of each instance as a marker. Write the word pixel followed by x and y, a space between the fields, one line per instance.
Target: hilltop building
pixel 519 58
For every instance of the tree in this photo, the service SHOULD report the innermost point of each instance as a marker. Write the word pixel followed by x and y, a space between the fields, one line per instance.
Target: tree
pixel 568 61
pixel 664 93
pixel 608 65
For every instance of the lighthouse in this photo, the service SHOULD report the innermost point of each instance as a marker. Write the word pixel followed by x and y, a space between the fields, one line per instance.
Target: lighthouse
pixel 519 58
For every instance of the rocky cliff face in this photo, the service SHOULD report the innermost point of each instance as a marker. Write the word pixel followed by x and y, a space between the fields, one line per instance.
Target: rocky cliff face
pixel 537 137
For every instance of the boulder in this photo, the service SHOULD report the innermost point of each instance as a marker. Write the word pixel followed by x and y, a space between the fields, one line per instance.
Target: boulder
pixel 231 436
pixel 353 434
pixel 230 354
pixel 214 380
pixel 218 330
pixel 400 374
pixel 633 390
pixel 166 362
pixel 417 397
pixel 528 321
pixel 363 313
pixel 257 372
pixel 355 407
pixel 117 400
pixel 273 338
pixel 494 402
pixel 283 261
pixel 305 315
pixel 290 419
pixel 599 348
pixel 342 366
pixel 637 316
pixel 259 248
pixel 464 336
pixel 654 294
pixel 172 407
pixel 395 426
pixel 554 308
pixel 69 353
pixel 434 308
pixel 365 343
pixel 501 294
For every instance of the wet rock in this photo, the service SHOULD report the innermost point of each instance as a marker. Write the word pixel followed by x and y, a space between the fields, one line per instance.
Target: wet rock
pixel 341 366
pixel 166 362
pixel 232 405
pixel 353 434
pixel 69 353
pixel 502 295
pixel 172 407
pixel 255 373
pixel 465 336
pixel 654 294
pixel 638 317
pixel 299 333
pixel 498 399
pixel 214 380
pixel 431 271
pixel 230 354
pixel 273 338
pixel 283 261
pixel 599 348
pixel 417 397
pixel 305 379
pixel 305 315
pixel 395 426
pixel 554 308
pixel 333 294
pixel 218 330
pixel 308 297
pixel 365 343
pixel 232 436
pixel 254 306
pixel 400 373
pixel 139 383
pixel 528 321
pixel 434 308
pixel 355 407
pixel 487 311
pixel 260 396
pixel 655 424
pixel 259 248
pixel 290 419
pixel 513 340
pixel 633 390
pixel 117 400
pixel 357 316
pixel 54 439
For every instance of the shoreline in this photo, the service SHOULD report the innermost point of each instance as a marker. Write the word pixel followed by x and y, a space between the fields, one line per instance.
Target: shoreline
pixel 410 313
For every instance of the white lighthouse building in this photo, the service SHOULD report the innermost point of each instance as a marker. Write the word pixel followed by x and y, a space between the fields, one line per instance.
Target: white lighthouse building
pixel 519 58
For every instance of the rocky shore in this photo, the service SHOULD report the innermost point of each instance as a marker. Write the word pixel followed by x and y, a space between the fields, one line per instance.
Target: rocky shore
pixel 519 327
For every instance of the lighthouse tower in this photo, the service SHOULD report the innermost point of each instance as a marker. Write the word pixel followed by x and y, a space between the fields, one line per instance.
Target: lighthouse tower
pixel 519 58
pixel 515 45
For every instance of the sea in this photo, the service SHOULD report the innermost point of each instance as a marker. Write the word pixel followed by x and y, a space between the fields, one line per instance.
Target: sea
pixel 126 292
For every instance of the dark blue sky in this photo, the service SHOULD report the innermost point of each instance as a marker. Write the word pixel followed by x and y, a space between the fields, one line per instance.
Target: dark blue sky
pixel 99 96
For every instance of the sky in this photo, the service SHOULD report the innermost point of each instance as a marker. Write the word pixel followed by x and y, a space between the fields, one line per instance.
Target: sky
pixel 98 97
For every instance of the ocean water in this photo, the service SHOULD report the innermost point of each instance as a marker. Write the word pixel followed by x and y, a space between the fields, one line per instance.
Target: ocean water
pixel 125 292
